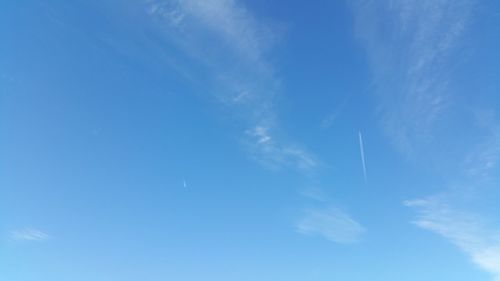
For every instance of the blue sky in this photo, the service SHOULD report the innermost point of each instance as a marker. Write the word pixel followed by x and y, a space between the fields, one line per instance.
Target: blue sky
pixel 249 140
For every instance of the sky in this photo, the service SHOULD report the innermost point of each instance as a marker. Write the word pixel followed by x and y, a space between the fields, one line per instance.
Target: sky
pixel 249 140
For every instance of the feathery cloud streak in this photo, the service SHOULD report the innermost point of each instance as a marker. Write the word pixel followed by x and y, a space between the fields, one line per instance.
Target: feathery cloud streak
pixel 274 154
pixel 226 39
pixel 29 234
pixel 411 50
pixel 330 223
pixel 241 76
pixel 464 230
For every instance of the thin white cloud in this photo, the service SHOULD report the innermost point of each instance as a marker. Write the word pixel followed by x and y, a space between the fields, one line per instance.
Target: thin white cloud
pixel 332 117
pixel 411 48
pixel 481 161
pixel 233 22
pixel 225 37
pixel 261 134
pixel 227 25
pixel 275 154
pixel 330 223
pixel 29 234
pixel 315 193
pixel 465 230
pixel 362 153
pixel 231 47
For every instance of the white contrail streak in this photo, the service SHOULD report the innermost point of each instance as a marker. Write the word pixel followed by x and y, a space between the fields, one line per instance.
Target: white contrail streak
pixel 361 149
pixel 184 182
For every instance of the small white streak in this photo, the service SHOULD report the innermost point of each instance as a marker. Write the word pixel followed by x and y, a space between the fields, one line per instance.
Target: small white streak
pixel 330 223
pixel 330 118
pixel 275 153
pixel 184 182
pixel 362 151
pixel 28 234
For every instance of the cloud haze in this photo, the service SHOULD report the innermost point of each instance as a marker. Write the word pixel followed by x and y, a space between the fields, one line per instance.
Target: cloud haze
pixel 330 223
pixel 29 234
pixel 464 230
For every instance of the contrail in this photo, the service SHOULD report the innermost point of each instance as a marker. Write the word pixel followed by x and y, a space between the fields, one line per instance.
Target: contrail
pixel 361 149
pixel 184 182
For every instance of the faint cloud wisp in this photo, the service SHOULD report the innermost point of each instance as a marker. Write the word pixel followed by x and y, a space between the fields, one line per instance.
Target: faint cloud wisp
pixel 330 223
pixel 412 61
pixel 232 46
pixel 29 234
pixel 274 154
pixel 462 229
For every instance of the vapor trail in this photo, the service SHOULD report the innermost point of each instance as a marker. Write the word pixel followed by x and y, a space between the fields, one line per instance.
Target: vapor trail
pixel 361 149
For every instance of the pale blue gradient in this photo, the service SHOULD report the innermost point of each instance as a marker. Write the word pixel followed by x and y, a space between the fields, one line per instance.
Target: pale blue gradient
pixel 221 140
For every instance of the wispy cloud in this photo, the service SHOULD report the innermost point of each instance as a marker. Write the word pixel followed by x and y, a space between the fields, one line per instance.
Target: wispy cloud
pixel 275 154
pixel 480 162
pixel 29 234
pixel 233 48
pixel 225 37
pixel 414 48
pixel 411 47
pixel 465 230
pixel 362 153
pixel 332 116
pixel 228 19
pixel 330 223
pixel 315 193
